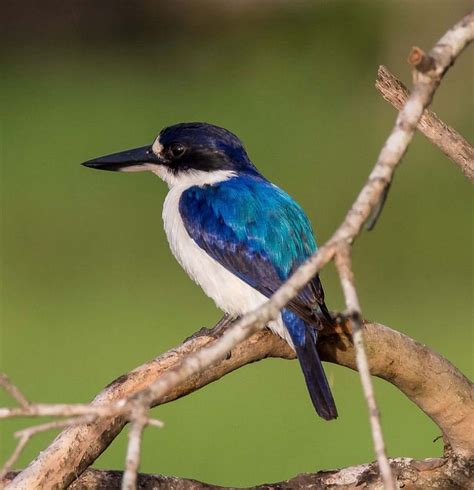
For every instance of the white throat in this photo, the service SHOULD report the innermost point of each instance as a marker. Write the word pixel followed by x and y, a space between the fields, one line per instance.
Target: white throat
pixel 191 177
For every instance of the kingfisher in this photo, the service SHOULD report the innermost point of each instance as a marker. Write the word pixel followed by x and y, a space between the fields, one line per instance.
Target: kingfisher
pixel 236 234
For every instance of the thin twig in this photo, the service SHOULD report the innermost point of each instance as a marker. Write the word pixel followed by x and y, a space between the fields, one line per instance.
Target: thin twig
pixel 155 423
pixel 25 435
pixel 12 459
pixel 132 462
pixel 63 410
pixel 344 267
pixel 15 392
pixel 447 139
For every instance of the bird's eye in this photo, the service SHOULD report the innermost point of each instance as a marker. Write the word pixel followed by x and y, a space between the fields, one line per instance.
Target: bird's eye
pixel 177 150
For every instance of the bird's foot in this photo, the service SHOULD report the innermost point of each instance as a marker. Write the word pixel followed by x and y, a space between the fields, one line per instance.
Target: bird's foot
pixel 222 324
pixel 216 331
pixel 202 332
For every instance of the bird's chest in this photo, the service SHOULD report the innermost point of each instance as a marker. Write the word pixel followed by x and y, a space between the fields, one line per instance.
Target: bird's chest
pixel 229 292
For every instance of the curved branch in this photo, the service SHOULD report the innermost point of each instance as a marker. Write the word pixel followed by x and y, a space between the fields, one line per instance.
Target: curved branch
pixel 416 370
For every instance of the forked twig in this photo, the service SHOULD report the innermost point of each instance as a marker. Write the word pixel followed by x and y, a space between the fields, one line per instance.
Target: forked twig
pixel 13 390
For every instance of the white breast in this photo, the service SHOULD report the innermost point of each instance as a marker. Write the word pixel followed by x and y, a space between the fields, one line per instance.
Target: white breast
pixel 230 293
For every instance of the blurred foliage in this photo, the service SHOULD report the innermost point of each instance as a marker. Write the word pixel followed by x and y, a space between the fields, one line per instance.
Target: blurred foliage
pixel 89 288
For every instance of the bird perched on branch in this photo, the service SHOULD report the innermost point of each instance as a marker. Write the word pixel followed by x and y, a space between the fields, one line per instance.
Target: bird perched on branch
pixel 235 233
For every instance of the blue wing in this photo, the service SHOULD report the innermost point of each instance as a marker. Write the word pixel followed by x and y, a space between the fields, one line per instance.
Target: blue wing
pixel 257 232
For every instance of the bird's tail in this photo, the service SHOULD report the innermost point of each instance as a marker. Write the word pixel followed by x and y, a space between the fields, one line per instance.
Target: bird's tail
pixel 304 339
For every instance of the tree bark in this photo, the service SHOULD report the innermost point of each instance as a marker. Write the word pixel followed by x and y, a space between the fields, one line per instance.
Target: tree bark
pixel 447 139
pixel 410 474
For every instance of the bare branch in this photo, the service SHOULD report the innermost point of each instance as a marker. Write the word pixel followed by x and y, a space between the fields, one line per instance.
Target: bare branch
pixel 13 390
pixel 61 410
pixel 447 139
pixel 344 267
pixel 132 462
pixel 419 373
pixel 409 473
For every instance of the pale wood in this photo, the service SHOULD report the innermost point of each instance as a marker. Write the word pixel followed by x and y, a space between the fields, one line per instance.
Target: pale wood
pixel 418 372
pixel 447 139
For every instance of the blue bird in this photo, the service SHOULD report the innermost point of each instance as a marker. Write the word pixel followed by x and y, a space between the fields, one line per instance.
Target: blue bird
pixel 236 234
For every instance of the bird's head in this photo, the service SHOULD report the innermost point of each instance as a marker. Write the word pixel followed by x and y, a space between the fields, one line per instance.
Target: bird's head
pixel 189 153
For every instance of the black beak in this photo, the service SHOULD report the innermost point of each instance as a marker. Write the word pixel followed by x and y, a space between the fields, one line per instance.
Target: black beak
pixel 128 158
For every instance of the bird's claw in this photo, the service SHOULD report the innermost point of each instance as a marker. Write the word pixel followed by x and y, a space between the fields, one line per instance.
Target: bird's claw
pixel 215 331
pixel 202 332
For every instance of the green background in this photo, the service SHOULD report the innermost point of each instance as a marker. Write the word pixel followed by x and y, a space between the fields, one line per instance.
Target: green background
pixel 89 288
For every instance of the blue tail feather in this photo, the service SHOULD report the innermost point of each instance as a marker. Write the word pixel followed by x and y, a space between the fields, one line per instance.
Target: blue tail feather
pixel 304 339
